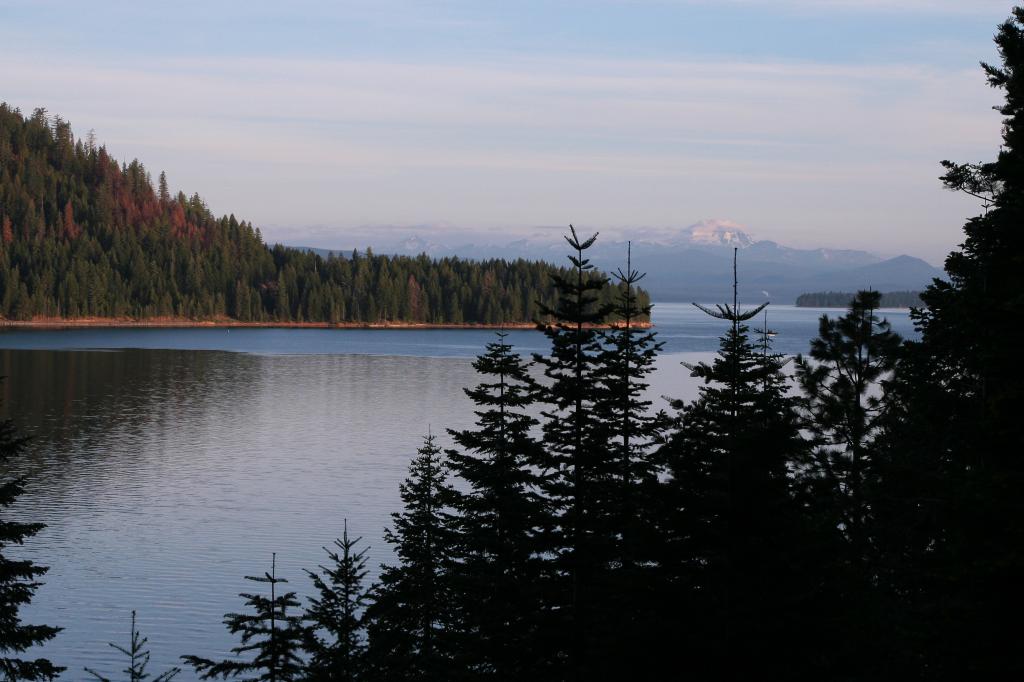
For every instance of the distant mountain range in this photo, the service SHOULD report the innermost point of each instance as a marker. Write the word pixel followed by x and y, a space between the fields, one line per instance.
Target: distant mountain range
pixel 695 263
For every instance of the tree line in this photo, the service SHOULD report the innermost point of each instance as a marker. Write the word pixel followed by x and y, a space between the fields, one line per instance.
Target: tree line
pixel 842 299
pixel 855 517
pixel 81 236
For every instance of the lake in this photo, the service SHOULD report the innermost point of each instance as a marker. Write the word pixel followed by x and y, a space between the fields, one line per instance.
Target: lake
pixel 170 463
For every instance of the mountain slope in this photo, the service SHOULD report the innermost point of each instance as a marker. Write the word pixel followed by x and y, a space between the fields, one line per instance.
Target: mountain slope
pixel 84 236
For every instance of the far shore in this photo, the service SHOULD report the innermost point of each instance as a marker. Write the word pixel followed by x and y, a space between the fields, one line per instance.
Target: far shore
pixel 181 322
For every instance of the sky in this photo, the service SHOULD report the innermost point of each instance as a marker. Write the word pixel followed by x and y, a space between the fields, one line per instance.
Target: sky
pixel 815 123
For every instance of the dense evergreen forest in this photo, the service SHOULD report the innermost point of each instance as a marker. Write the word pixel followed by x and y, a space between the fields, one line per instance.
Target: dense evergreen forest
pixel 82 236
pixel 858 518
pixel 842 299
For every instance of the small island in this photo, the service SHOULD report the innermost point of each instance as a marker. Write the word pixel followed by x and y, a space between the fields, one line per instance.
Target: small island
pixel 842 299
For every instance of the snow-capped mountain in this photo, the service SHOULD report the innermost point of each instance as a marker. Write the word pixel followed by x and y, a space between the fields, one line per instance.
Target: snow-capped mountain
pixel 715 233
pixel 416 245
pixel 693 263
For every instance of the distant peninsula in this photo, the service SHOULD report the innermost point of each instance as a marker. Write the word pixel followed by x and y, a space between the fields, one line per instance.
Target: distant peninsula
pixel 88 241
pixel 230 323
pixel 841 299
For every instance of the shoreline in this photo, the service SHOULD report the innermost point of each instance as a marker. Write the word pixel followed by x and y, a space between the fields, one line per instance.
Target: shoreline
pixel 228 323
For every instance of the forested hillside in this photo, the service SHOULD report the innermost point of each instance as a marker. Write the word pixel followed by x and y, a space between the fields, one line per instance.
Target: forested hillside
pixel 842 299
pixel 84 236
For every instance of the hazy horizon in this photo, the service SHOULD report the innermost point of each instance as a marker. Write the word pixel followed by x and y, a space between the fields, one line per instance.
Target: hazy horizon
pixel 810 124
pixel 361 237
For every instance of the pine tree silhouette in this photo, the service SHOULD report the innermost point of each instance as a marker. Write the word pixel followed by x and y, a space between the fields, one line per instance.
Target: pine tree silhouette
pixel 850 356
pixel 336 638
pixel 19 578
pixel 498 515
pixel 271 635
pixel 576 459
pixel 138 659
pixel 412 620
pixel 733 565
pixel 949 520
pixel 844 404
pixel 626 484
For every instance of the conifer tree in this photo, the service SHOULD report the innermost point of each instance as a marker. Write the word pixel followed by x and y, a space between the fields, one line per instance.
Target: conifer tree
pixel 19 578
pixel 576 459
pixel 336 638
pixel 499 514
pixel 269 634
pixel 412 620
pixel 83 235
pixel 949 512
pixel 844 404
pixel 733 567
pixel 626 360
pixel 163 192
pixel 631 429
pixel 851 356
pixel 138 659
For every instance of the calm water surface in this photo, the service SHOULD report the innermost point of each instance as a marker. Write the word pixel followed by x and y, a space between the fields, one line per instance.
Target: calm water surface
pixel 680 326
pixel 170 463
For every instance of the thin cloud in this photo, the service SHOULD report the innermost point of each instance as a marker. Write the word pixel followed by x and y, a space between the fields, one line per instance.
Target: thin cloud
pixel 773 104
pixel 532 140
pixel 982 8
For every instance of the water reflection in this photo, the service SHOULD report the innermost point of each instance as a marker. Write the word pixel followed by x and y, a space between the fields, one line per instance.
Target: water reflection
pixel 166 476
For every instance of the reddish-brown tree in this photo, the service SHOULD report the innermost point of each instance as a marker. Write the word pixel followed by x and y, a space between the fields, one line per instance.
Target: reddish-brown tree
pixel 71 230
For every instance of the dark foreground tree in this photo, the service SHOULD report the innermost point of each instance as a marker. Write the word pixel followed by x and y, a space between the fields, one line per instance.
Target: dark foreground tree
pixel 842 383
pixel 952 514
pixel 499 512
pixel 631 429
pixel 269 634
pixel 19 578
pixel 336 639
pixel 739 592
pixel 413 622
pixel 138 659
pixel 843 406
pixel 576 541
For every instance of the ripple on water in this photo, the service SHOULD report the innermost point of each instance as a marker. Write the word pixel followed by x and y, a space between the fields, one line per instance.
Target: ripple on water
pixel 166 475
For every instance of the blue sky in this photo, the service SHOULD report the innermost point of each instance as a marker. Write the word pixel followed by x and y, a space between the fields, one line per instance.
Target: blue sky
pixel 812 122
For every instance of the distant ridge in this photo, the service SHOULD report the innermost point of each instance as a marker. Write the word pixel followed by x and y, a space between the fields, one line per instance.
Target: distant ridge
pixel 695 263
